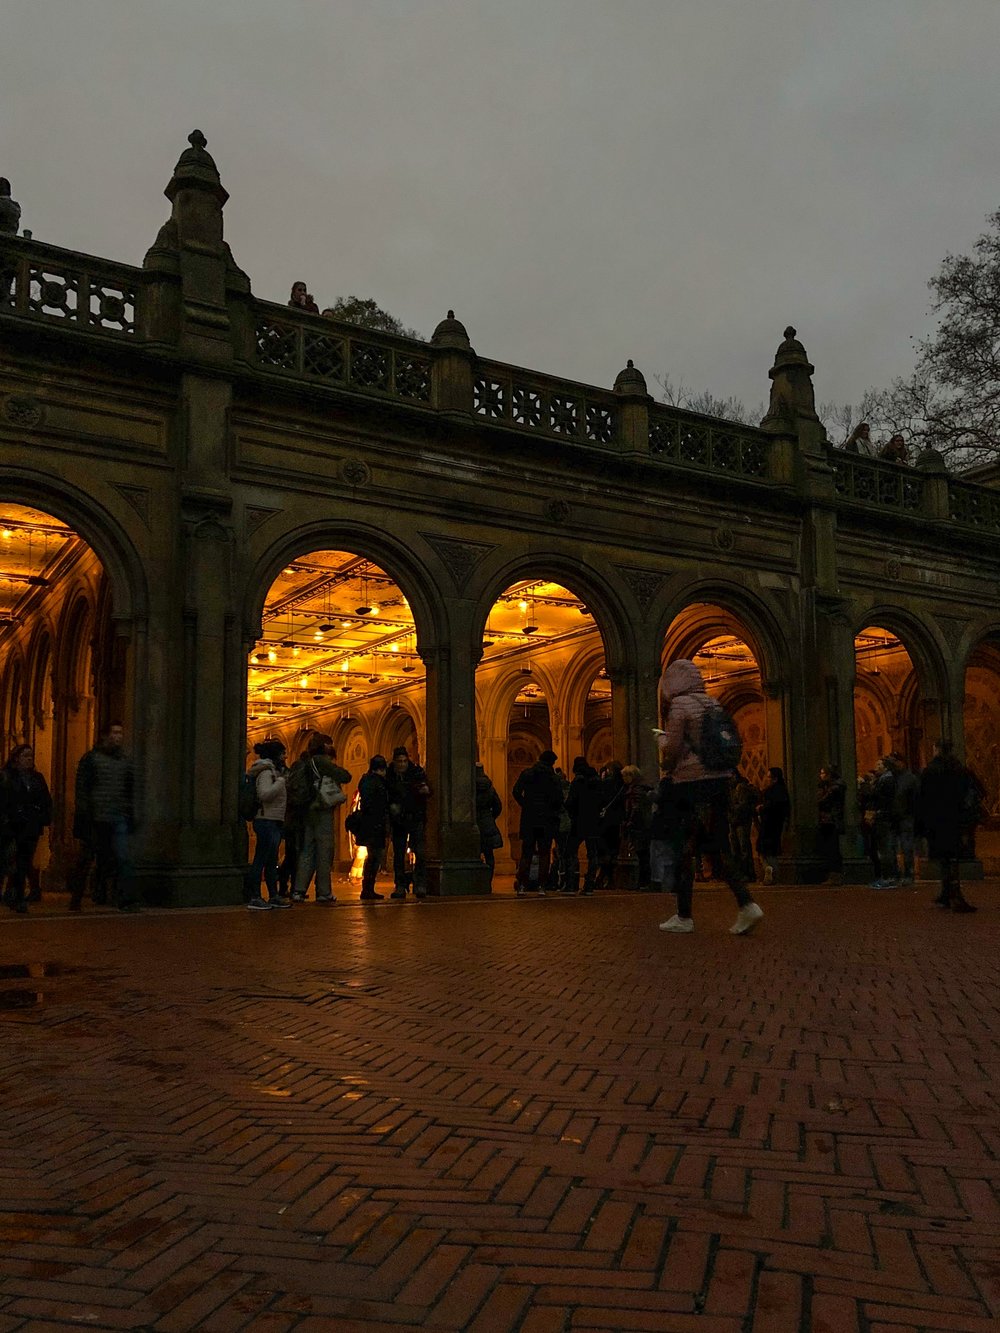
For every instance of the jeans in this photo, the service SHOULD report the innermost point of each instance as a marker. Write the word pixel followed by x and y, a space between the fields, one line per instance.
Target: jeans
pixel 417 839
pixel 903 840
pixel 265 860
pixel 108 847
pixel 316 854
pixel 828 846
pixel 538 841
pixel 373 863
pixel 572 879
pixel 703 810
pixel 609 842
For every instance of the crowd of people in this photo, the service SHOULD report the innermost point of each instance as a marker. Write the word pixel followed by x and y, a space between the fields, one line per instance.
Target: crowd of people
pixel 591 830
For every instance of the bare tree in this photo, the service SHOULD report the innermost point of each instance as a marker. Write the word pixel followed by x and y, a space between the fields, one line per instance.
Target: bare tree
pixel 952 400
pixel 708 404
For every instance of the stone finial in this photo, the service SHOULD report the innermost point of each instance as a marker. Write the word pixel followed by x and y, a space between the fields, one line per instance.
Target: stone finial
pixel 196 170
pixel 451 332
pixel 929 460
pixel 792 393
pixel 630 382
pixel 10 209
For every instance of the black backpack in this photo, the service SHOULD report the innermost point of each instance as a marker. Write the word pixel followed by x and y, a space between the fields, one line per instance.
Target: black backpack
pixel 719 746
pixel 249 802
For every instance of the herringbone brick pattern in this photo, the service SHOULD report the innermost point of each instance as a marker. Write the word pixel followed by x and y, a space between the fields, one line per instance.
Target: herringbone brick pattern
pixel 504 1115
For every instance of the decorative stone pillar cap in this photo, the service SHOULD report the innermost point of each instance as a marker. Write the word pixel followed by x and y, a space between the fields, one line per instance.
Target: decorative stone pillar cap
pixel 929 460
pixel 451 332
pixel 790 353
pixel 10 210
pixel 196 170
pixel 630 381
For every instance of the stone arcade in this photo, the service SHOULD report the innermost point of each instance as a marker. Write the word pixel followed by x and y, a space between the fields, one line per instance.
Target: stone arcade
pixel 221 518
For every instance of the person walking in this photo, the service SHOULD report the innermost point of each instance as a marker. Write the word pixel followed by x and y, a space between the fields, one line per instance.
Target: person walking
pixel 772 815
pixel 104 820
pixel 268 771
pixel 409 792
pixel 371 819
pixel 539 794
pixel 948 803
pixel 583 805
pixel 830 800
pixel 315 788
pixel 488 809
pixel 695 749
pixel 28 812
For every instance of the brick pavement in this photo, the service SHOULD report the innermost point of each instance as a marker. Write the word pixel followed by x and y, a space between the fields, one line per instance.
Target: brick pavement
pixel 501 1115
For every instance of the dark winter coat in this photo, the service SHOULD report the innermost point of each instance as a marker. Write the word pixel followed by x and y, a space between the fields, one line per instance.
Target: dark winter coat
pixel 28 803
pixel 773 812
pixel 538 792
pixel 583 804
pixel 407 807
pixel 614 793
pixel 300 784
pixel 373 807
pixel 905 794
pixel 105 790
pixel 947 794
pixel 830 804
pixel 488 806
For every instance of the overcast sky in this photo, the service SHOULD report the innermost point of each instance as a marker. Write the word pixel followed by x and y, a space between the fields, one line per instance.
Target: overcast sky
pixel 583 181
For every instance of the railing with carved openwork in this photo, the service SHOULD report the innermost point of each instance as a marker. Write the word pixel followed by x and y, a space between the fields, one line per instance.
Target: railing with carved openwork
pixel 543 405
pixel 870 481
pixel 46 283
pixel 318 348
pixel 974 506
pixel 707 443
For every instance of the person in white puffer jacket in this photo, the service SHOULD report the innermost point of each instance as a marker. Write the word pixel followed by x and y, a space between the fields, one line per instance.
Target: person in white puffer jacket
pixel 700 796
pixel 268 824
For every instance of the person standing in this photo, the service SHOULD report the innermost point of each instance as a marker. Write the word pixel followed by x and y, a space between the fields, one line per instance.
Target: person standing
pixel 638 817
pixel 883 853
pixel 905 794
pixel 610 821
pixel 103 822
pixel 772 816
pixel 539 794
pixel 28 813
pixel 409 792
pixel 701 782
pixel 665 838
pixel 830 811
pixel 743 807
pixel 268 771
pixel 312 815
pixel 488 809
pixel 583 805
pixel 372 818
pixel 948 804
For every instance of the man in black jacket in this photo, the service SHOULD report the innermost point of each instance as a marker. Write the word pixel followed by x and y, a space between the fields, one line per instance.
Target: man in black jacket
pixel 583 804
pixel 408 794
pixel 539 794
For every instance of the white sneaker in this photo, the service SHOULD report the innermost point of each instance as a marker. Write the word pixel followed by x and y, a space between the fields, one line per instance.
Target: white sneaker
pixel 746 918
pixel 678 925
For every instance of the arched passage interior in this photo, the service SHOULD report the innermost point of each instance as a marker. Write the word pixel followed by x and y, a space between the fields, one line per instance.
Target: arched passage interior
pixel 337 654
pixel 981 717
pixel 541 684
pixel 886 700
pixel 62 670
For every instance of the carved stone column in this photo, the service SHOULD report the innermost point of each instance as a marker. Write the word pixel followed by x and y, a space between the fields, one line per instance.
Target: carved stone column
pixel 454 865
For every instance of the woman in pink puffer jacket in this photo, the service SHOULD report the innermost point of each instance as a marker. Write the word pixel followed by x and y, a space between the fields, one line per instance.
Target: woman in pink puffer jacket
pixel 700 796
